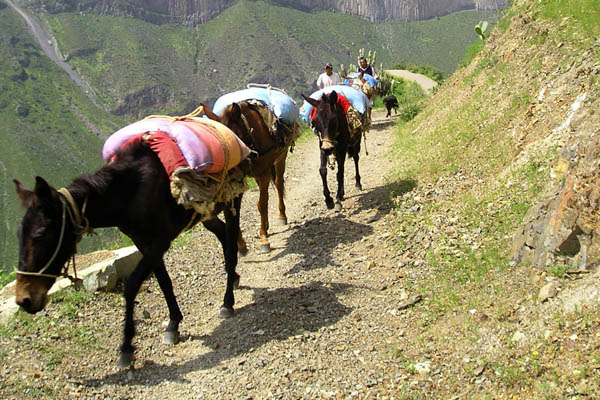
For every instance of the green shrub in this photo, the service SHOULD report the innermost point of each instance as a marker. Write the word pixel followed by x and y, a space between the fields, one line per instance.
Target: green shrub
pixel 472 51
pixel 410 112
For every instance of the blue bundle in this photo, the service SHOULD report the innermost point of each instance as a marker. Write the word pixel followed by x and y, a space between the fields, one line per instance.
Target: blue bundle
pixel 368 78
pixel 357 99
pixel 280 104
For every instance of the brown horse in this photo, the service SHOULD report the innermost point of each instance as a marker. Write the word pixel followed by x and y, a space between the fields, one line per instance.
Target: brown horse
pixel 133 194
pixel 335 138
pixel 245 121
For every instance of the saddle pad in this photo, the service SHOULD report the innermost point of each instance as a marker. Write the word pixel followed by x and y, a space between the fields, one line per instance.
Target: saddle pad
pixel 206 145
pixel 279 103
pixel 357 99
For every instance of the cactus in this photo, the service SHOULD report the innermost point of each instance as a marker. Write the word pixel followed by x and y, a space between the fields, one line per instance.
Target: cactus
pixel 343 72
pixel 480 29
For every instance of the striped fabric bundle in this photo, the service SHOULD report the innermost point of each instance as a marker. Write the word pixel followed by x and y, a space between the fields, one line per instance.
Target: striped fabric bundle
pixel 207 146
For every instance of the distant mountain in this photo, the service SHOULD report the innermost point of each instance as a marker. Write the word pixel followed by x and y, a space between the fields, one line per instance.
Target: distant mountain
pixel 193 12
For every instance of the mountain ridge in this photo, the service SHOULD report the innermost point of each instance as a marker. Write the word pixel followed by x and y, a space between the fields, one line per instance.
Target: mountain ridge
pixel 194 12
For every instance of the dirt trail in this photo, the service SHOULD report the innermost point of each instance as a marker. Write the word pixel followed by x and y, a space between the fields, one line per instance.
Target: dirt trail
pixel 48 44
pixel 426 83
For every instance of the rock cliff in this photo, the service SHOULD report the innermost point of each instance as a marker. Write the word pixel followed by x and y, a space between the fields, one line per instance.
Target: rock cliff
pixel 192 12
pixel 404 10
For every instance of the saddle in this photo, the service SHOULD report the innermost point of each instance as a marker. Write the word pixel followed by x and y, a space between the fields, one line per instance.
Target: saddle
pixel 282 132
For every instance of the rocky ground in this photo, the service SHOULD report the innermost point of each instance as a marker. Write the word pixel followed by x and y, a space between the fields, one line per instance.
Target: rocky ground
pixel 332 312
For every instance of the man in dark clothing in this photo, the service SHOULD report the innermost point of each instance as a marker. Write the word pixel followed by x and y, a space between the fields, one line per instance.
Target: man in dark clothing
pixel 365 68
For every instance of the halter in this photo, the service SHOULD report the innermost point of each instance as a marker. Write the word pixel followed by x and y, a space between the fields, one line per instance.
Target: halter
pixel 76 219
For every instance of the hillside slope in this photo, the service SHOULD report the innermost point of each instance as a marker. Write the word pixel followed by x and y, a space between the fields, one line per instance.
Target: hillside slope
pixel 49 126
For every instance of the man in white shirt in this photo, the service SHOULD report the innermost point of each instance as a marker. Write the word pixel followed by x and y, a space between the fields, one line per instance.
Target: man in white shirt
pixel 328 78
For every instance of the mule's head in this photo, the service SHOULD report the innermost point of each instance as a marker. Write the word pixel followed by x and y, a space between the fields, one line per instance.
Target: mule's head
pixel 231 118
pixel 45 244
pixel 326 121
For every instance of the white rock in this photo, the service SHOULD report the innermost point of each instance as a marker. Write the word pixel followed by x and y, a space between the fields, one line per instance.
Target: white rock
pixel 547 291
pixel 423 368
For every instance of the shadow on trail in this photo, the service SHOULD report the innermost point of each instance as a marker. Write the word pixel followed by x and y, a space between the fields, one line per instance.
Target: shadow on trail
pixel 382 124
pixel 380 198
pixel 316 238
pixel 274 315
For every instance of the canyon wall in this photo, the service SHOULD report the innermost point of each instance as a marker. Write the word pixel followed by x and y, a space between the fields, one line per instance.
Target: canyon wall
pixel 192 12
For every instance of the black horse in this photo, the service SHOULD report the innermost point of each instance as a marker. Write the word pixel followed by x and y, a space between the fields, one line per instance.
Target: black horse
pixel 331 125
pixel 133 194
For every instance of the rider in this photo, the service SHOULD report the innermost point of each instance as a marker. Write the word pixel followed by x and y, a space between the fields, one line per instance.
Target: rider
pixel 364 68
pixel 328 78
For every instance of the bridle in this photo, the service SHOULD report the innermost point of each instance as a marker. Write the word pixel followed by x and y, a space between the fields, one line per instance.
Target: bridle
pixel 81 226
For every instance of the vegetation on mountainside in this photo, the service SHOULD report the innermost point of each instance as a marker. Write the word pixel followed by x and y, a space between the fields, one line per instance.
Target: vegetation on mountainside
pixel 49 127
pixel 465 152
pixel 285 47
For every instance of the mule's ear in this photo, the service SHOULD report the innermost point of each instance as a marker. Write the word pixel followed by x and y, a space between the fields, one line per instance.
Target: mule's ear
pixel 42 190
pixel 333 98
pixel 208 112
pixel 235 112
pixel 27 197
pixel 309 100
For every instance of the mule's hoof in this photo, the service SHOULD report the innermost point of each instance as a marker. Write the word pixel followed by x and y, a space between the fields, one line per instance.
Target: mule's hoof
pixel 226 312
pixel 338 207
pixel 264 248
pixel 126 360
pixel 329 203
pixel 358 186
pixel 170 337
pixel 282 221
pixel 243 252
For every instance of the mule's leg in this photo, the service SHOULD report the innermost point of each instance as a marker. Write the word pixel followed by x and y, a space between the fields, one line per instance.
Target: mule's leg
pixel 241 244
pixel 341 159
pixel 217 227
pixel 132 286
pixel 171 334
pixel 279 185
pixel 355 157
pixel 263 209
pixel 323 172
pixel 227 234
pixel 232 226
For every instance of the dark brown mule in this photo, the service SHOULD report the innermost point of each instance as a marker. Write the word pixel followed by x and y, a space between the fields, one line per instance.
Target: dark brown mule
pixel 331 125
pixel 248 124
pixel 133 194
